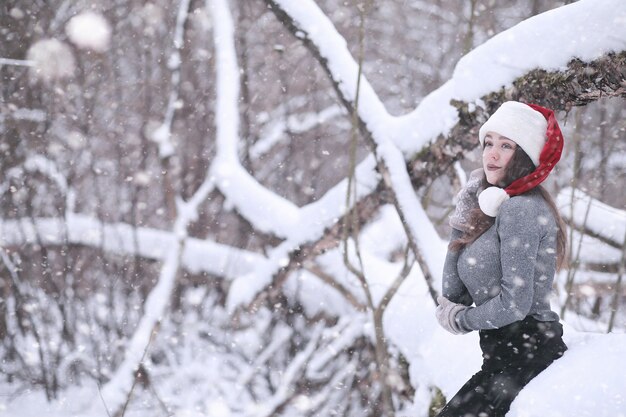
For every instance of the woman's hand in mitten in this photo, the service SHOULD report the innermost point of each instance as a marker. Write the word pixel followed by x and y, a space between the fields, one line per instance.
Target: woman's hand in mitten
pixel 446 315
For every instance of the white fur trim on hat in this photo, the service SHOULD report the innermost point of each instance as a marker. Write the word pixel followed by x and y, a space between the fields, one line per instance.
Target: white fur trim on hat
pixel 491 199
pixel 520 123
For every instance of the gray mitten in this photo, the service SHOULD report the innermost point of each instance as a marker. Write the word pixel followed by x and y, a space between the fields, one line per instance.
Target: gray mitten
pixel 446 312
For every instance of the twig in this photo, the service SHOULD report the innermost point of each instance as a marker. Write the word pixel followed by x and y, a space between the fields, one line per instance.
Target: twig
pixel 618 286
pixel 573 267
pixel 328 279
pixel 102 398
pixel 138 372
pixel 397 283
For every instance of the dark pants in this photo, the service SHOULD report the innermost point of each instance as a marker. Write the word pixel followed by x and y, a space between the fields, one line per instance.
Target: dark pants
pixel 512 356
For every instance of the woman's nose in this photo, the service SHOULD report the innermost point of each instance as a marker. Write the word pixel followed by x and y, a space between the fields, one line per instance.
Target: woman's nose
pixel 493 154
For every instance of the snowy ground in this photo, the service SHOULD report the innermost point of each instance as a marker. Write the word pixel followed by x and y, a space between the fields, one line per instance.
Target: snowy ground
pixel 589 381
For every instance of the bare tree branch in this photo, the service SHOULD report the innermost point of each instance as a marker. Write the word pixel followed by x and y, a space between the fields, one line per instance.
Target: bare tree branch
pixel 330 280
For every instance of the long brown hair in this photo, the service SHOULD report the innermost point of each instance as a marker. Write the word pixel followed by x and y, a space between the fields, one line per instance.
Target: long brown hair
pixel 519 166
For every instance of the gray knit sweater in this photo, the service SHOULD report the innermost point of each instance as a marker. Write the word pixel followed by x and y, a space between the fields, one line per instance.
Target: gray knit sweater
pixel 508 271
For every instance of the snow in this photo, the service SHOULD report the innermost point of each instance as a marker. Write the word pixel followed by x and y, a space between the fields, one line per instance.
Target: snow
pixel 266 210
pixel 274 132
pixel 333 48
pixel 52 60
pixel 89 30
pixel 198 255
pixel 563 34
pixel 181 17
pixel 586 29
pixel 313 220
pixel 269 407
pixel 162 135
pixel 48 168
pixel 263 208
pixel 593 250
pixel 116 390
pixel 594 390
pixel 588 381
pixel 603 220
pixel 34 115
pixel 18 62
pixel 16 13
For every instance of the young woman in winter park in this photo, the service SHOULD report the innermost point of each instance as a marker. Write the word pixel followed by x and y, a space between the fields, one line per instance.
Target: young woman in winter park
pixel 507 241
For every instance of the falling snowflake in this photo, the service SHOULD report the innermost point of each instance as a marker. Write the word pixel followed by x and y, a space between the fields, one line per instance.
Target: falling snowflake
pixel 89 30
pixel 52 60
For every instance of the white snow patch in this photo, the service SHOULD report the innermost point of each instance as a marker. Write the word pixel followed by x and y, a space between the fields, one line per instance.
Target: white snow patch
pixel 89 30
pixel 52 60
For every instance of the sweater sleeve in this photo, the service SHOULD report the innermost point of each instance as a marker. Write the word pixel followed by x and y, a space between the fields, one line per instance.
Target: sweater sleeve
pixel 520 230
pixel 452 286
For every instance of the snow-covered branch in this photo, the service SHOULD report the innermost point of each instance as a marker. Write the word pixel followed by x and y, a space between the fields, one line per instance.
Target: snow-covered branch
pixel 285 390
pixel 605 223
pixel 30 115
pixel 585 30
pixel 280 337
pixel 309 23
pixel 266 211
pixel 120 386
pixel 341 337
pixel 162 135
pixel 18 62
pixel 314 28
pixel 319 230
pixel 198 255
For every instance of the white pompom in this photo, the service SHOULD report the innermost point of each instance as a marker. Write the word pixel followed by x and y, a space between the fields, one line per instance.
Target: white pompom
pixel 491 199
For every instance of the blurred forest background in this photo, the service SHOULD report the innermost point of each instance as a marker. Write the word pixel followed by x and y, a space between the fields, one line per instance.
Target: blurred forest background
pixel 119 134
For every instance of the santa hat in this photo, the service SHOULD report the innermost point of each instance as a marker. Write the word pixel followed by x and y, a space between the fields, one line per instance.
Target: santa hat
pixel 536 131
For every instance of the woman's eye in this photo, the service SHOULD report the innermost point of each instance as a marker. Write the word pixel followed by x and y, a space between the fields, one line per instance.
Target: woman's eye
pixel 507 146
pixel 488 144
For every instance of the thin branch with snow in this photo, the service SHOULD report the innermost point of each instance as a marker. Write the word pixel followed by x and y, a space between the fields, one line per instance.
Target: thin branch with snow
pixel 285 391
pixel 162 135
pixel 17 62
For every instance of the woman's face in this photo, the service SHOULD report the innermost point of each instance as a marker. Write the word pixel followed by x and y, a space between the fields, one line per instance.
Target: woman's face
pixel 497 153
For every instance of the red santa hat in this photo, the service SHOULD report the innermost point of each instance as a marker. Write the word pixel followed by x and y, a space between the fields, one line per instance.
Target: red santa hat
pixel 536 131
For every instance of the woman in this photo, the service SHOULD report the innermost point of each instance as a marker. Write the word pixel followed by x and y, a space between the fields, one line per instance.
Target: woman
pixel 507 241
